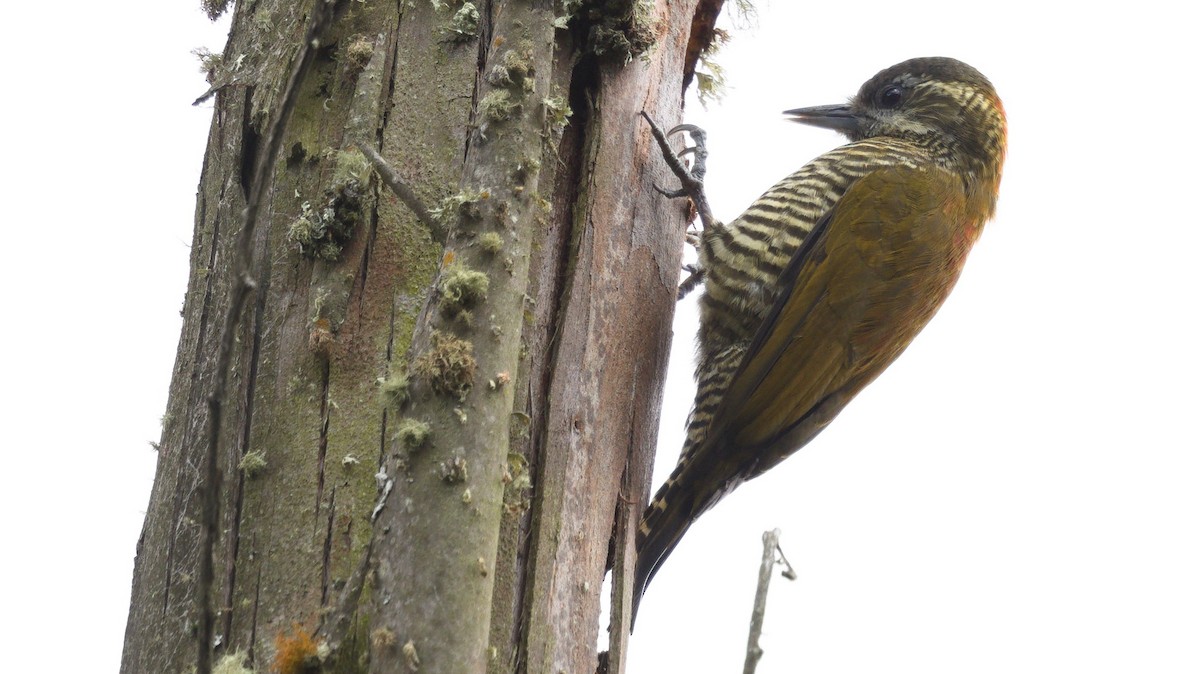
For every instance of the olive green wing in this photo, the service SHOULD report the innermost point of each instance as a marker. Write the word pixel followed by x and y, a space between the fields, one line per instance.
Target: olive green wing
pixel 860 287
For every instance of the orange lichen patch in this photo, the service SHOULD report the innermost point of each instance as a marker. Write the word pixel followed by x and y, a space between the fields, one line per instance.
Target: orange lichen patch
pixel 295 653
pixel 448 258
pixel 320 338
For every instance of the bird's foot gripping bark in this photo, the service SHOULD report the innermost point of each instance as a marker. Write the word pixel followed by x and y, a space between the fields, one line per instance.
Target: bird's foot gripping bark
pixel 691 185
pixel 691 181
pixel 694 277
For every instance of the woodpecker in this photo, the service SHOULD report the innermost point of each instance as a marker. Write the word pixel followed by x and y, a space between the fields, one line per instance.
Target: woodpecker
pixel 825 279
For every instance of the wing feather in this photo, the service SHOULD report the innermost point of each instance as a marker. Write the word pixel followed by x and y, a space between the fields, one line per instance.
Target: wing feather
pixel 860 287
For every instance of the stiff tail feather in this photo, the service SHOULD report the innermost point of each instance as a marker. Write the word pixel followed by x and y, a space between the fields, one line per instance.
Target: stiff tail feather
pixel 678 503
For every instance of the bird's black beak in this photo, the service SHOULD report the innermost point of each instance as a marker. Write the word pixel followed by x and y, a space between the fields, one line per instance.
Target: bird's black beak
pixel 837 117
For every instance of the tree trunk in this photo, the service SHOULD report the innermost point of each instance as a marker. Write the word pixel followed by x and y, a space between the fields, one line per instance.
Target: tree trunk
pixel 477 408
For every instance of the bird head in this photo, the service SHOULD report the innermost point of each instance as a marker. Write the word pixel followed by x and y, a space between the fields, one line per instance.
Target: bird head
pixel 940 104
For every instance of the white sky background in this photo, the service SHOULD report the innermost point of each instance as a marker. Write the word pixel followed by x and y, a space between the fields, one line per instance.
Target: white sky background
pixel 1019 492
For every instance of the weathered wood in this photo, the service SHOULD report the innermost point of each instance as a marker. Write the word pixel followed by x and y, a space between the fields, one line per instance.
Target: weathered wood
pixel 437 537
pixel 577 316
pixel 614 342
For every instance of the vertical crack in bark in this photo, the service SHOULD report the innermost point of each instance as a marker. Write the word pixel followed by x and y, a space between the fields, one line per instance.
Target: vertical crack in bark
pixel 566 191
pixel 383 424
pixel 250 142
pixel 323 438
pixel 368 249
pixel 193 408
pixel 390 88
pixel 323 15
pixel 618 631
pixel 572 151
pixel 327 548
pixel 231 551
pixel 337 621
pixel 484 37
pixel 254 617
pixel 235 517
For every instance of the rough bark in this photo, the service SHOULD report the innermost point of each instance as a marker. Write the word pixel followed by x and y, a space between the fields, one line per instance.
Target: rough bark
pixel 490 548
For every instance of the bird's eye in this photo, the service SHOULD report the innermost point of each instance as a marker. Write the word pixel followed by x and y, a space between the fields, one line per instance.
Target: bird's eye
pixel 891 96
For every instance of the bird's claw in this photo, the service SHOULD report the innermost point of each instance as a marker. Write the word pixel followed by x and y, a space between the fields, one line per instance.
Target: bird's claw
pixel 670 194
pixel 691 180
pixel 699 150
pixel 694 277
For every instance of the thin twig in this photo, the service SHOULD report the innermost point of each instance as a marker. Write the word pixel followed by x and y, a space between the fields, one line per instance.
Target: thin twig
pixel 770 547
pixel 402 191
pixel 322 17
